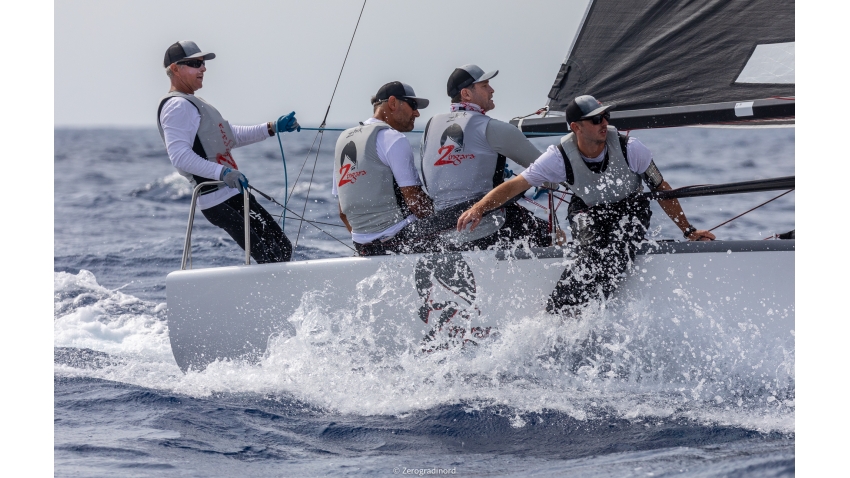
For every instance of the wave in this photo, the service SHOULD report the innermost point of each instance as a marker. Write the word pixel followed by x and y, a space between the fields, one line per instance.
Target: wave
pixel 173 187
pixel 597 368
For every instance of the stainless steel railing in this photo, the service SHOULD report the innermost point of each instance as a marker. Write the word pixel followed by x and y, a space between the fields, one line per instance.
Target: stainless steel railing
pixel 187 246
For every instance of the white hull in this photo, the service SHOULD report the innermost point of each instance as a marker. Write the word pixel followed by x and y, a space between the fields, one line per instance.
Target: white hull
pixel 739 291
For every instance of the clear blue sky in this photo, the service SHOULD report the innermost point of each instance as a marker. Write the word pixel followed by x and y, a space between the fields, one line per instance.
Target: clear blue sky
pixel 273 56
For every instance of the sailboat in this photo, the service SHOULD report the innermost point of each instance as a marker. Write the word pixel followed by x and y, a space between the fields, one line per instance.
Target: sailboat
pixel 663 64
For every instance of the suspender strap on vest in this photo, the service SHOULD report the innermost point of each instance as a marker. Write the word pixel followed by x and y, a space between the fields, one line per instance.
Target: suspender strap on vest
pixel 602 182
pixel 499 174
pixel 571 179
pixel 399 199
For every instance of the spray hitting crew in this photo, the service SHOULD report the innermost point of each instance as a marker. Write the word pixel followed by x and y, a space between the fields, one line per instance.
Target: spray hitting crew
pixel 608 217
pixel 199 142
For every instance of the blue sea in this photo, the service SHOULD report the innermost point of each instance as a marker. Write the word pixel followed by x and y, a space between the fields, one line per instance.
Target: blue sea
pixel 123 407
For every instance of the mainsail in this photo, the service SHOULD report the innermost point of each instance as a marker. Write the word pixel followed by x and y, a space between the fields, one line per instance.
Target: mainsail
pixel 675 62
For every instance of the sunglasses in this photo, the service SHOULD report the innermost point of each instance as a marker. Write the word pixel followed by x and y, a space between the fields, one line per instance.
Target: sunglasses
pixel 413 104
pixel 192 63
pixel 598 118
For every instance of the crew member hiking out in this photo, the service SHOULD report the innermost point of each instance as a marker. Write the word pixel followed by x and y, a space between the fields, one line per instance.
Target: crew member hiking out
pixel 199 143
pixel 375 179
pixel 608 217
pixel 462 158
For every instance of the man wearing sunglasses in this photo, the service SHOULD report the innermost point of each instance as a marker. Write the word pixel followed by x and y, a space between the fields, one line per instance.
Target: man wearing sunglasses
pixel 374 178
pixel 199 143
pixel 462 158
pixel 608 218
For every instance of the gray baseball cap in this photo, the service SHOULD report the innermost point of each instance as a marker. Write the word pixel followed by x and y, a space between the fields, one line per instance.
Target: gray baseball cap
pixel 585 106
pixel 183 50
pixel 467 75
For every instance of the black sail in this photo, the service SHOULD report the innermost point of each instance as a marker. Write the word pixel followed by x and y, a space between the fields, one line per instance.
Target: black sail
pixel 662 55
pixel 654 53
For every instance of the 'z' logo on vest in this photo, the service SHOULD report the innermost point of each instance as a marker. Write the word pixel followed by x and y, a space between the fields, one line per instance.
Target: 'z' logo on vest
pixel 226 160
pixel 451 143
pixel 347 161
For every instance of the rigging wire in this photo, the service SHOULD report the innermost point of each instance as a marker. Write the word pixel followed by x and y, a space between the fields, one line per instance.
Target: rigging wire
pixel 343 65
pixel 750 210
pixel 302 168
pixel 321 132
pixel 309 187
pixel 311 222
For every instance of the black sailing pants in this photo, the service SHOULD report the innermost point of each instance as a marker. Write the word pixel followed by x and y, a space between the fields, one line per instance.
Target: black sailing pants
pixel 602 264
pixel 268 242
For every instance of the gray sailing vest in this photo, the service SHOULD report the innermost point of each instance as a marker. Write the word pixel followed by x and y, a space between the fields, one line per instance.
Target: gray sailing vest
pixel 368 194
pixel 213 141
pixel 456 161
pixel 615 183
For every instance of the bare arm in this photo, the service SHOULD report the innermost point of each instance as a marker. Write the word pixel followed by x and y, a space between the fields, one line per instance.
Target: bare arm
pixel 344 219
pixel 418 202
pixel 492 200
pixel 674 210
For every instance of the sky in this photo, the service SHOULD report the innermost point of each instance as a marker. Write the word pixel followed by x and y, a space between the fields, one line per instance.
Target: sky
pixel 274 57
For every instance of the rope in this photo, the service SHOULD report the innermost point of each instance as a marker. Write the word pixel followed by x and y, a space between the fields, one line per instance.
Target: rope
pixel 309 187
pixel 302 167
pixel 536 203
pixel 750 210
pixel 561 199
pixel 542 110
pixel 285 179
pixel 301 217
pixel 419 131
pixel 311 221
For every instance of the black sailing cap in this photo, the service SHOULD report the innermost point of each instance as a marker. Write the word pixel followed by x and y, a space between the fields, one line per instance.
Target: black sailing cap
pixel 399 90
pixel 585 106
pixel 465 76
pixel 183 50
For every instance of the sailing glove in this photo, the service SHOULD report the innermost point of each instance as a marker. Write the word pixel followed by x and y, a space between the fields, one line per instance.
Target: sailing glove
pixel 287 124
pixel 234 179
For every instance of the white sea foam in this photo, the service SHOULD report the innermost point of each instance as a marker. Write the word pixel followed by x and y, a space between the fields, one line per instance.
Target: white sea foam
pixel 172 187
pixel 88 315
pixel 604 365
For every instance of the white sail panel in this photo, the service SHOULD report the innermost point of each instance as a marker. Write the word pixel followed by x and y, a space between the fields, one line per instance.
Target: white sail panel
pixel 770 64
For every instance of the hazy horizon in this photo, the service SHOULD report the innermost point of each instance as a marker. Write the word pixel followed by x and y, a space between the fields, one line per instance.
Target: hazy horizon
pixel 274 57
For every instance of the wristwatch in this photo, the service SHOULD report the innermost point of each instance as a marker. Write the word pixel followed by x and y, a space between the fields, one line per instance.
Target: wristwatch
pixel 690 230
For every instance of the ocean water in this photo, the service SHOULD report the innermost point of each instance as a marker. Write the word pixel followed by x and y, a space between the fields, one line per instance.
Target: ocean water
pixel 122 406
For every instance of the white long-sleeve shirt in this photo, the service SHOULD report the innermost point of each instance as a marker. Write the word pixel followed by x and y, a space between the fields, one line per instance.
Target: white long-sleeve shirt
pixel 180 121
